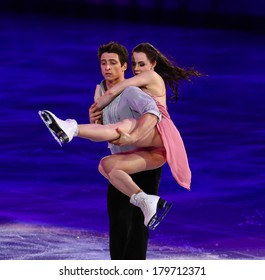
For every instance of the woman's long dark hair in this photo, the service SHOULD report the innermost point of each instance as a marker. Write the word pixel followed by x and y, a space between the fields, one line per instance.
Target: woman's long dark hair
pixel 170 72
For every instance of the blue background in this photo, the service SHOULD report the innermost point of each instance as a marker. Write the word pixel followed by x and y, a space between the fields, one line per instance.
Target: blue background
pixel 53 200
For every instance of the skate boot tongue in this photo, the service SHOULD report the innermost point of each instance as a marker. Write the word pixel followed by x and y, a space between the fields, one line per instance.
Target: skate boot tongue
pixel 153 207
pixel 148 205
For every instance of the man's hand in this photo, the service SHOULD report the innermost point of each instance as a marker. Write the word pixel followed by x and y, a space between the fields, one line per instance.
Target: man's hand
pixel 125 139
pixel 95 114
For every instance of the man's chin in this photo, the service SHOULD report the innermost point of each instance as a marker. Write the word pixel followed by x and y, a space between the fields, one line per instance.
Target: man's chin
pixel 109 77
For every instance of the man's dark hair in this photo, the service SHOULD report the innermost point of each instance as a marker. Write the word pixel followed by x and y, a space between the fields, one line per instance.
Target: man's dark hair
pixel 113 47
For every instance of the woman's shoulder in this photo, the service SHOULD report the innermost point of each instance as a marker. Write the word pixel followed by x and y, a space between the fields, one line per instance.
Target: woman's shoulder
pixel 150 74
pixel 153 74
pixel 157 87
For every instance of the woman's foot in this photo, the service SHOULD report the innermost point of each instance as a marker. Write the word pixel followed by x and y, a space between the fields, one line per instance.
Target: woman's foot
pixel 153 207
pixel 62 131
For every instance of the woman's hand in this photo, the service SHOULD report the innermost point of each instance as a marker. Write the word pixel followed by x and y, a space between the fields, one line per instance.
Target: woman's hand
pixel 104 100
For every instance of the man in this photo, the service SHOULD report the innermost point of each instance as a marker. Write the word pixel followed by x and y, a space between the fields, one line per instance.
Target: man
pixel 128 234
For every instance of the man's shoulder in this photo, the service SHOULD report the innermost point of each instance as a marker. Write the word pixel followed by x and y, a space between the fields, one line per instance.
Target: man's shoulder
pixel 133 92
pixel 131 88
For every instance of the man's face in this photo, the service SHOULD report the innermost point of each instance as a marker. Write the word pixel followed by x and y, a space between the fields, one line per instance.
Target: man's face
pixel 111 68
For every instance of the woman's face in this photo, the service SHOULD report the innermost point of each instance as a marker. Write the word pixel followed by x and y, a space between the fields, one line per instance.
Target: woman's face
pixel 140 63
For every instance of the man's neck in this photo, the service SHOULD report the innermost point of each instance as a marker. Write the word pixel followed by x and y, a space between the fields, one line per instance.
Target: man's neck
pixel 111 83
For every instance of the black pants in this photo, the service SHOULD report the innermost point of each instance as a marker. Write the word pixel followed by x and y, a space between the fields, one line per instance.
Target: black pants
pixel 128 234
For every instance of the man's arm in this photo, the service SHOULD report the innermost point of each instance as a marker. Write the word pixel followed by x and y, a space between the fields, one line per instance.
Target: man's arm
pixel 148 115
pixel 95 114
pixel 143 126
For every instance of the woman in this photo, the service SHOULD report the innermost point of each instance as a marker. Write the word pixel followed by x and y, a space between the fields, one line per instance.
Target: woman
pixel 153 71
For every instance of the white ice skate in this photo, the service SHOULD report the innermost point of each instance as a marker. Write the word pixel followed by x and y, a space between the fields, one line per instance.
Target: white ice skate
pixel 153 207
pixel 62 131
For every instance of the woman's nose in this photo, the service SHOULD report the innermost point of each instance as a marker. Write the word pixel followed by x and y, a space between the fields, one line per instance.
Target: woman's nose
pixel 135 67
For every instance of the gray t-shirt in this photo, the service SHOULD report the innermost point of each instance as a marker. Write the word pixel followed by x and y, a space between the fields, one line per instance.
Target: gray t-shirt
pixel 131 103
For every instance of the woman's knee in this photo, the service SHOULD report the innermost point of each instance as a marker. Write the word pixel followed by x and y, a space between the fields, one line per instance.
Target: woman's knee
pixel 101 170
pixel 105 166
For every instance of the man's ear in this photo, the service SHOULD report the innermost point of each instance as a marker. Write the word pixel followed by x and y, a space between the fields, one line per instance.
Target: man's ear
pixel 124 66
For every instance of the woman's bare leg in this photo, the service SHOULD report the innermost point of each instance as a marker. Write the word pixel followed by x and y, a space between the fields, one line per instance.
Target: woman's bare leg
pixel 98 132
pixel 116 168
pixel 64 130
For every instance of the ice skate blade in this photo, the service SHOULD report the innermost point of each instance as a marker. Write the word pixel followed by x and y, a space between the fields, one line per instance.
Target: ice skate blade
pixel 159 216
pixel 58 134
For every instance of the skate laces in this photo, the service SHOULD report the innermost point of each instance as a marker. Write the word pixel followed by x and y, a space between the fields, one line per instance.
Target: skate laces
pixel 144 203
pixel 139 201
